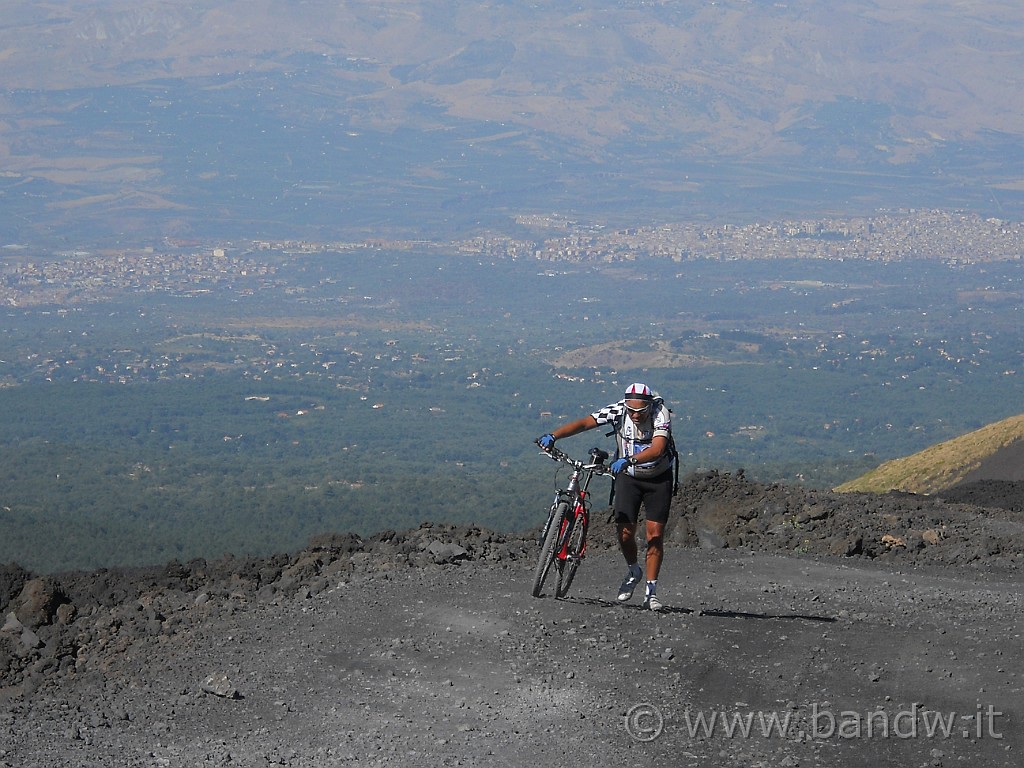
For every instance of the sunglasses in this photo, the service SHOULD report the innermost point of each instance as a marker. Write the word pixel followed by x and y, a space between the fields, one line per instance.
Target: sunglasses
pixel 641 409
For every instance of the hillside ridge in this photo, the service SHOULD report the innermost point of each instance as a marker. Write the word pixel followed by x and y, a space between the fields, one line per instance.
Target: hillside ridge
pixel 993 452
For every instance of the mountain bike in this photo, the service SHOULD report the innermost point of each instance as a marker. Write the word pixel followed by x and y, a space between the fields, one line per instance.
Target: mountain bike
pixel 564 538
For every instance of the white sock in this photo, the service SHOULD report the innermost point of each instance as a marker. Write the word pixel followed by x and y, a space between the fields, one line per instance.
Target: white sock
pixel 652 587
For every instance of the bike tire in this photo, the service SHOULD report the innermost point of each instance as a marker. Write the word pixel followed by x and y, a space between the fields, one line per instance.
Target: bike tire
pixel 548 549
pixel 577 540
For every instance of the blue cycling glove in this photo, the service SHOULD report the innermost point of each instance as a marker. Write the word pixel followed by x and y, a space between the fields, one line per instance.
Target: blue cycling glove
pixel 619 465
pixel 546 442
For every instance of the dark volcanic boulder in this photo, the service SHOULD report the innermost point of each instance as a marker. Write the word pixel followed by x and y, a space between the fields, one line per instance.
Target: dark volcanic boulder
pixel 38 602
pixel 12 581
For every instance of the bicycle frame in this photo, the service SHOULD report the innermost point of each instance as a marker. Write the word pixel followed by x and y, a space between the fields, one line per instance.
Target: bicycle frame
pixel 564 538
pixel 576 494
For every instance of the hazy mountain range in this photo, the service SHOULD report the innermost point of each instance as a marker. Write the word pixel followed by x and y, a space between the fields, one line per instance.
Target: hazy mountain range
pixel 136 119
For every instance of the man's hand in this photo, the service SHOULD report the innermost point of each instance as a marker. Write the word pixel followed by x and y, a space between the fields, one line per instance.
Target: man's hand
pixel 619 465
pixel 547 442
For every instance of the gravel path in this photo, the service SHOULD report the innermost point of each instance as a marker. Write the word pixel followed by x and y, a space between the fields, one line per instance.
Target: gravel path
pixel 425 648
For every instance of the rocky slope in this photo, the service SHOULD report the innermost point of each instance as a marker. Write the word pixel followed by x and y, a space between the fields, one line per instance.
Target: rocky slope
pixel 825 611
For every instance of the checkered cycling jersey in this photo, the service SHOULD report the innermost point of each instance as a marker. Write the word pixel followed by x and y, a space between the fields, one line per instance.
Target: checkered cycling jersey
pixel 632 438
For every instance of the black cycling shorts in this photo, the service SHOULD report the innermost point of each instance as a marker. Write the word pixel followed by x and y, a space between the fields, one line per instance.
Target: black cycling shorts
pixel 655 494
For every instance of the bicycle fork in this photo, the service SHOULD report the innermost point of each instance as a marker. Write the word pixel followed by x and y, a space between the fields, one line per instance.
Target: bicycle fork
pixel 560 496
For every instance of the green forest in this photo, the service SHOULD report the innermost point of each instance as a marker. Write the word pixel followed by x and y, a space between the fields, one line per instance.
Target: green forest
pixel 362 393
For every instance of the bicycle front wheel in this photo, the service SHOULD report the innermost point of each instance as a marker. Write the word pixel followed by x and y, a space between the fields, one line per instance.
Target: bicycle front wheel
pixel 574 554
pixel 548 549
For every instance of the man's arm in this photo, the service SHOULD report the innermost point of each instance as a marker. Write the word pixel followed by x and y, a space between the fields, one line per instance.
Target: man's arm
pixel 574 427
pixel 652 452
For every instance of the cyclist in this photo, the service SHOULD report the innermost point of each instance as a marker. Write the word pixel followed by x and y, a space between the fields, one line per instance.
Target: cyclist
pixel 643 475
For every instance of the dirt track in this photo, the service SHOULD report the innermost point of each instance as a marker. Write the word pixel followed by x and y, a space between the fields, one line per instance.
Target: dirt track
pixel 425 648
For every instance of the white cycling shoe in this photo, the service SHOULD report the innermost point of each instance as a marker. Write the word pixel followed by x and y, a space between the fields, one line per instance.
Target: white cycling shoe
pixel 629 583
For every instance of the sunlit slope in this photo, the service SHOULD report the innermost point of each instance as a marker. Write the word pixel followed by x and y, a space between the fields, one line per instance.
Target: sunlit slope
pixel 945 464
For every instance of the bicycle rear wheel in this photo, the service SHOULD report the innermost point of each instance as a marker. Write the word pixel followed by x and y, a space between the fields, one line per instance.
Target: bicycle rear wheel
pixel 574 554
pixel 548 549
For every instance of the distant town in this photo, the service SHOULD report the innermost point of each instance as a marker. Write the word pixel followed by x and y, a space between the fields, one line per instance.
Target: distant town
pixel 957 237
pixel 31 278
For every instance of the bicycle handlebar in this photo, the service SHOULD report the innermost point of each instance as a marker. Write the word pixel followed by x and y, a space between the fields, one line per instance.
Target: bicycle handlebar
pixel 599 468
